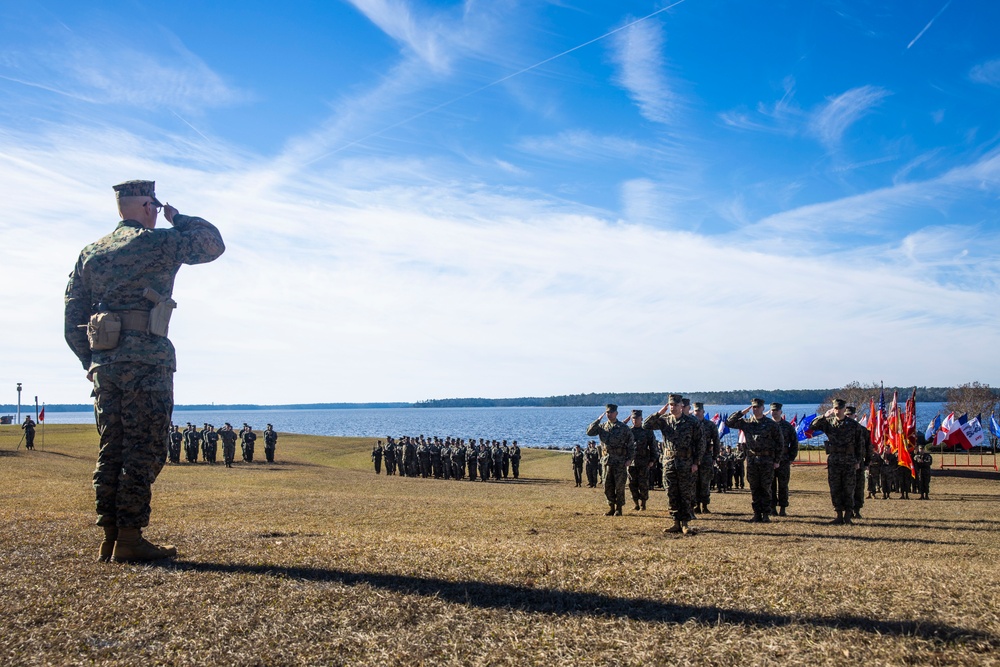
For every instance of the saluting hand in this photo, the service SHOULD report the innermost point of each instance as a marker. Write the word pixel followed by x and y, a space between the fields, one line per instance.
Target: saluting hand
pixel 169 212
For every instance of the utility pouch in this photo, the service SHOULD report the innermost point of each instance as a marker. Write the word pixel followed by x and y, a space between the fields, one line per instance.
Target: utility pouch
pixel 103 331
pixel 159 315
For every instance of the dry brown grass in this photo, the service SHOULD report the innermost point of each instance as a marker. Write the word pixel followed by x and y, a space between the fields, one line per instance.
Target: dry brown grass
pixel 315 560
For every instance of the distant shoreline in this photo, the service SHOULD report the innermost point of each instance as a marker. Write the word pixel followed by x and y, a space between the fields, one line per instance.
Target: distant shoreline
pixel 736 397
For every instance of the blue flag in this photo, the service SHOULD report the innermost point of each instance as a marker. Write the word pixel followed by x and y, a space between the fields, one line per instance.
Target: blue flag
pixel 723 428
pixel 994 426
pixel 803 431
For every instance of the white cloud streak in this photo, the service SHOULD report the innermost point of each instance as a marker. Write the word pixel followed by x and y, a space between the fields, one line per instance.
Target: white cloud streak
pixel 638 52
pixel 831 121
pixel 987 73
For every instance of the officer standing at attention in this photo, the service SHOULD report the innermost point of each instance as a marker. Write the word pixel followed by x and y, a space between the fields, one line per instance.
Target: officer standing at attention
pixel 377 457
pixel 923 461
pixel 706 467
pixel 843 457
pixel 783 473
pixel 270 443
pixel 638 472
pixel 765 449
pixel 620 448
pixel 577 465
pixel 683 448
pixel 228 436
pixel 117 310
pixel 867 454
pixel 176 438
pixel 515 459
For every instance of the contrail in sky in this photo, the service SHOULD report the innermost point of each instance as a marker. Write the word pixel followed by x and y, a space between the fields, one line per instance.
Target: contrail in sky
pixel 921 33
pixel 501 80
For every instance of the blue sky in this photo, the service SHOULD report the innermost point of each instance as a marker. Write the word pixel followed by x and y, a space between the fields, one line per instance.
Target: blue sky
pixel 435 199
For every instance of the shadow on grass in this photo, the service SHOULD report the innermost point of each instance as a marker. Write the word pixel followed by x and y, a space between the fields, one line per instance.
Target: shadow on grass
pixel 571 603
pixel 846 535
pixel 510 480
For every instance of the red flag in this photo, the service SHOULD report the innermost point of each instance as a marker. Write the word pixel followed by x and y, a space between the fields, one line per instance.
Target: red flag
pixel 41 415
pixel 910 420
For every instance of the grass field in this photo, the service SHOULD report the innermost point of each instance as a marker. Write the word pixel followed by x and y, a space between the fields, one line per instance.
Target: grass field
pixel 316 560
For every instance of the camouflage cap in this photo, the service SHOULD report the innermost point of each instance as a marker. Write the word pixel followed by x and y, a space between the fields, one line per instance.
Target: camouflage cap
pixel 757 402
pixel 686 402
pixel 137 189
pixel 637 413
pixel 839 403
pixel 776 406
pixel 611 407
pixel 851 410
pixel 675 398
pixel 698 405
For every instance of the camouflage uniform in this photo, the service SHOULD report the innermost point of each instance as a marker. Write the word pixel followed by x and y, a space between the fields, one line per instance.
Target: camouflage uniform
pixel 706 466
pixel 211 444
pixel 176 438
pixel 133 382
pixel 638 472
pixel 867 454
pixel 620 447
pixel 515 459
pixel 577 461
pixel 270 443
pixel 779 488
pixel 592 458
pixel 458 456
pixel 844 451
pixel 923 461
pixel 764 447
pixel 377 458
pixel 874 473
pixel 683 446
pixel 228 436
pixel 249 438
pixel 389 455
pixel 887 478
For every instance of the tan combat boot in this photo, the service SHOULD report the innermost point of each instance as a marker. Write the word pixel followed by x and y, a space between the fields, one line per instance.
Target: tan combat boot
pixel 132 547
pixel 108 544
pixel 687 530
pixel 676 528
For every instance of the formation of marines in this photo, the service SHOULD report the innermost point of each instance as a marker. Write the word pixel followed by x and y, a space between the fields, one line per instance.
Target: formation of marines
pixel 447 458
pixel 206 441
pixel 693 461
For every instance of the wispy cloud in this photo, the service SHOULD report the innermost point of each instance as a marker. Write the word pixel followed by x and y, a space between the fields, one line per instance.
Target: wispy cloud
pixel 831 121
pixel 425 37
pixel 581 144
pixel 987 72
pixel 638 52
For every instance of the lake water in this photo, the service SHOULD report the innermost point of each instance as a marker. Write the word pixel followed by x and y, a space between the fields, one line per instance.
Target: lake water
pixel 531 427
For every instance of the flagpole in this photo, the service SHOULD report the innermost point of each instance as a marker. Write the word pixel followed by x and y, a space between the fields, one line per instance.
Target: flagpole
pixel 43 427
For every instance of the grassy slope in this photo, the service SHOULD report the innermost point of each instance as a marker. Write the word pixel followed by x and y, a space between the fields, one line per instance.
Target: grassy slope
pixel 317 560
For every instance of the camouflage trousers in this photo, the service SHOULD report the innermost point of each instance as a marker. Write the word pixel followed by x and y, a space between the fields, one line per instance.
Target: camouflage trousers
pixel 679 482
pixel 779 487
pixel 760 476
pixel 614 483
pixel 638 482
pixel 859 489
pixel 578 474
pixel 228 451
pixel 703 485
pixel 841 477
pixel 132 406
pixel 923 481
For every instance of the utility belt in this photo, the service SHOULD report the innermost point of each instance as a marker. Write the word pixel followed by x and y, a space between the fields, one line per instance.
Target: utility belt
pixel 684 453
pixel 105 326
pixel 760 456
